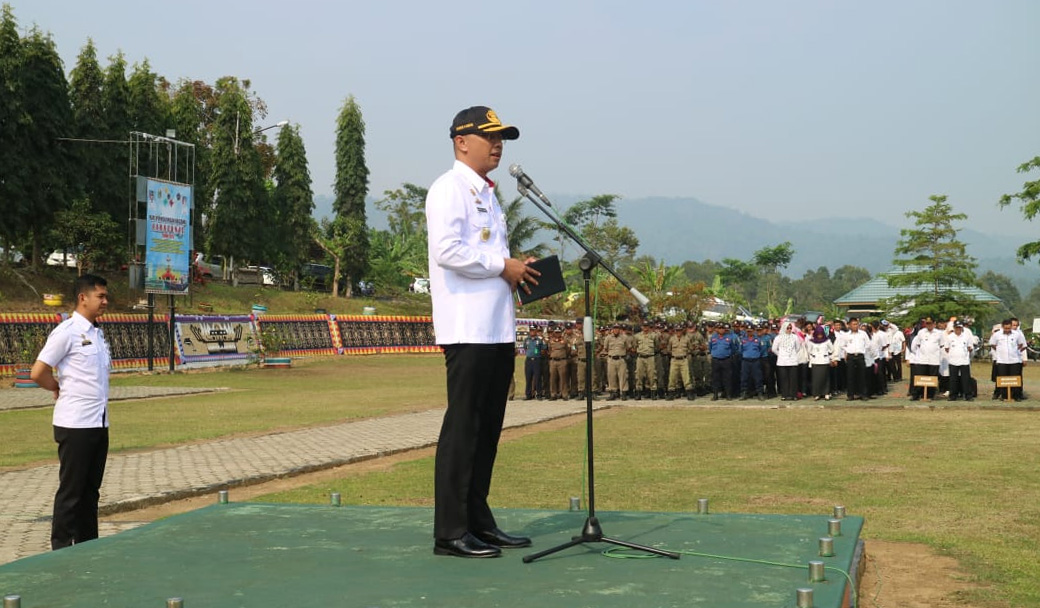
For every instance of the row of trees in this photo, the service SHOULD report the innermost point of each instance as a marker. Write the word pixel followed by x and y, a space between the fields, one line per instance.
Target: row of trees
pixel 65 149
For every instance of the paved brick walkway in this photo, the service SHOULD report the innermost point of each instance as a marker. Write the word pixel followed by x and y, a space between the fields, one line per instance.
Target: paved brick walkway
pixel 25 398
pixel 145 478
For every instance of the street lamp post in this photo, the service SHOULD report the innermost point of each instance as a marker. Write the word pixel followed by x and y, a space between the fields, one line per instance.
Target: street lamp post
pixel 258 131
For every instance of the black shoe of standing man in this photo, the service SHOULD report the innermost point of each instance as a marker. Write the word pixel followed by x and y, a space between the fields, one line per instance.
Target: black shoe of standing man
pixel 498 538
pixel 465 546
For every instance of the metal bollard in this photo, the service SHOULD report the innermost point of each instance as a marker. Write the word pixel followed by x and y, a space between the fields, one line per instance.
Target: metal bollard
pixel 804 598
pixel 175 602
pixel 826 546
pixel 12 601
pixel 334 499
pixel 702 506
pixel 222 497
pixel 839 512
pixel 575 503
pixel 834 527
pixel 816 572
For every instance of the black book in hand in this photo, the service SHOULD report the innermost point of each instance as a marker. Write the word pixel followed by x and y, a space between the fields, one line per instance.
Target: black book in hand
pixel 550 282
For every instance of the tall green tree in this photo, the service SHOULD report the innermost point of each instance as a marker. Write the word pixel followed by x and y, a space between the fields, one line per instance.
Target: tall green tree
pixel 113 181
pixel 49 117
pixel 148 100
pixel 770 260
pixel 192 113
pixel 88 123
pixel 351 187
pixel 13 174
pixel 1029 199
pixel 293 201
pixel 405 209
pixel 241 217
pixel 935 265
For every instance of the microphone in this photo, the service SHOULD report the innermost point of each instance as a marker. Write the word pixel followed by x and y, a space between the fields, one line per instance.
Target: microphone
pixel 524 180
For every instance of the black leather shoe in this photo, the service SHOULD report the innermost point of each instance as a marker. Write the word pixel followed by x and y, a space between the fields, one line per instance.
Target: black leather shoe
pixel 498 538
pixel 466 546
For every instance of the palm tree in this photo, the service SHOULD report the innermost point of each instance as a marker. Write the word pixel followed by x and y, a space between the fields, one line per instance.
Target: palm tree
pixel 522 229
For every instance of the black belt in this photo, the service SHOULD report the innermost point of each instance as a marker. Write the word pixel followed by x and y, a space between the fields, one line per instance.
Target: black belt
pixel 645 356
pixel 856 355
pixel 679 358
pixel 558 358
pixel 616 357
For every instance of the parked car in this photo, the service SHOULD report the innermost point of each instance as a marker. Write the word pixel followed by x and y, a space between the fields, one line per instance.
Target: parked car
pixel 365 288
pixel 420 285
pixel 256 275
pixel 210 267
pixel 61 258
pixel 11 255
pixel 316 276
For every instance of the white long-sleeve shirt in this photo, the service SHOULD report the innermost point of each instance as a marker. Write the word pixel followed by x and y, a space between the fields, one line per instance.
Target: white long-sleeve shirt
pixel 927 345
pixel 959 348
pixel 468 247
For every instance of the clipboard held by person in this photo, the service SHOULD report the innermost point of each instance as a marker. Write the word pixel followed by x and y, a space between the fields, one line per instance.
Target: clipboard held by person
pixel 550 281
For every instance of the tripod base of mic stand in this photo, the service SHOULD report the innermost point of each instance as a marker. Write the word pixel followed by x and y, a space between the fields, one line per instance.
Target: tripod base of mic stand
pixel 591 532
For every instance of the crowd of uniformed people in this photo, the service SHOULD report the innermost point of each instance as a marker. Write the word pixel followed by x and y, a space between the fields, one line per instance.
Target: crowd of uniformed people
pixel 793 360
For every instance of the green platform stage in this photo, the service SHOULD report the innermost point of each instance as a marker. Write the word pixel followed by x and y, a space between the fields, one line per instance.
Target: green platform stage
pixel 268 556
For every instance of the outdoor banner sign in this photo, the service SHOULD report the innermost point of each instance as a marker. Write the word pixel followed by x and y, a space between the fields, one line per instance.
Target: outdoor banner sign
pixel 168 238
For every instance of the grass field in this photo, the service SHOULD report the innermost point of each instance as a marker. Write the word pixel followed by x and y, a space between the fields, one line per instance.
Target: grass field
pixel 314 392
pixel 962 480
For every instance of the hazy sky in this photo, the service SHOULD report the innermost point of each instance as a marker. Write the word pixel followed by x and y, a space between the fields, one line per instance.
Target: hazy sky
pixel 782 109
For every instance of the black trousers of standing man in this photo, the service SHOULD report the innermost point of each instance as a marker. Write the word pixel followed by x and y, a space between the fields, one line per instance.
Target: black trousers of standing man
pixel 856 383
pixel 478 380
pixel 82 454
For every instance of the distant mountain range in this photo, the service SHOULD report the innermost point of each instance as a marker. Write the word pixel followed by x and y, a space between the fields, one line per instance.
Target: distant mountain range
pixel 676 230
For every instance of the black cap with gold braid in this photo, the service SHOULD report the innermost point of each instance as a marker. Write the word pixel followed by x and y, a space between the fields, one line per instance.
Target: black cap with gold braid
pixel 481 119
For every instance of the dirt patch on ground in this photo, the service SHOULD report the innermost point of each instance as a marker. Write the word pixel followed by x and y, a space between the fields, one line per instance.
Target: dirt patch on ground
pixel 896 575
pixel 909 575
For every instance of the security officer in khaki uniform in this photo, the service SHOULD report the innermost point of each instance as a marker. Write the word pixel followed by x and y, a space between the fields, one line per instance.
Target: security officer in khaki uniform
pixel 575 342
pixel 630 358
pixel 615 346
pixel 581 364
pixel 558 351
pixel 663 360
pixel 599 353
pixel 680 371
pixel 646 370
pixel 700 368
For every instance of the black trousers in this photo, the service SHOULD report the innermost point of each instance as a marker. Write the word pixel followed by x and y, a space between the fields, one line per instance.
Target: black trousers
pixel 920 369
pixel 82 454
pixel 788 377
pixel 1009 369
pixel 856 382
pixel 959 377
pixel 721 370
pixel 478 380
pixel 532 377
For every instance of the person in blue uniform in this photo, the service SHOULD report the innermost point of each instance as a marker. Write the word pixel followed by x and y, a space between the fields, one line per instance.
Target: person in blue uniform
pixel 751 353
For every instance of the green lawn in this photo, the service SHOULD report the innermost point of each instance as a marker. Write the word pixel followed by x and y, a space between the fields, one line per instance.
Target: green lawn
pixel 963 482
pixel 313 392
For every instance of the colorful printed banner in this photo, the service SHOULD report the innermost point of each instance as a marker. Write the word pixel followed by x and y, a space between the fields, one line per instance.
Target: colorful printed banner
pixel 168 238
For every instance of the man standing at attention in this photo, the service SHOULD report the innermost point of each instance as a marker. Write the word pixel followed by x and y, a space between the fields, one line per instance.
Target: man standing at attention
pixel 77 349
pixel 472 279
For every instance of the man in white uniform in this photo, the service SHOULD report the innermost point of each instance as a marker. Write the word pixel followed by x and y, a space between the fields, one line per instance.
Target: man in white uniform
pixel 472 279
pixel 77 349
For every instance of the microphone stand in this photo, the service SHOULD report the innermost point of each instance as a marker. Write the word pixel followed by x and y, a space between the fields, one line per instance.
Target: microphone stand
pixel 591 532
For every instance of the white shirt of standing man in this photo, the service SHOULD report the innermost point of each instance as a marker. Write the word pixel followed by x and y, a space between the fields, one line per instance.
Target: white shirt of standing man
pixel 77 349
pixel 472 276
